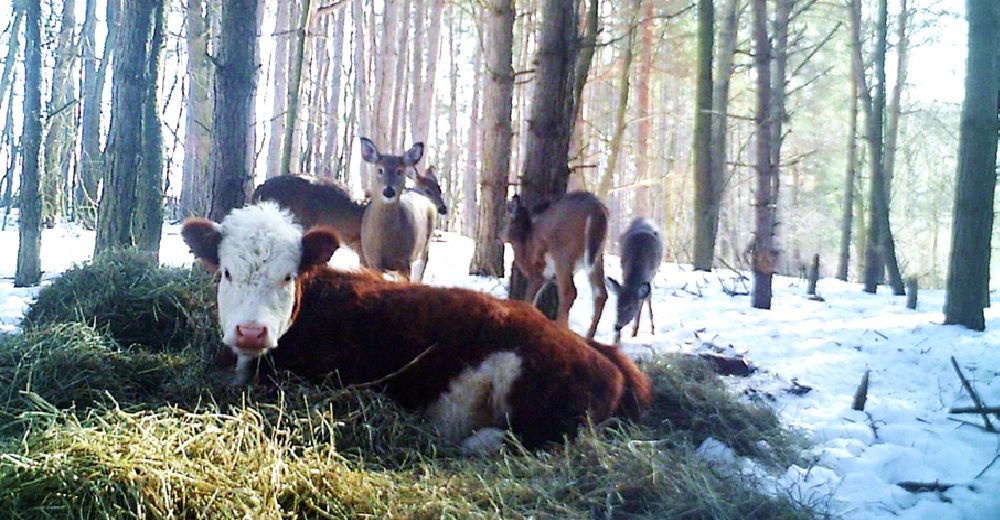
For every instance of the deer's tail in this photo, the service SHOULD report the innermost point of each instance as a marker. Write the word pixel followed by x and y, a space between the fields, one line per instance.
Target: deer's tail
pixel 596 231
pixel 638 394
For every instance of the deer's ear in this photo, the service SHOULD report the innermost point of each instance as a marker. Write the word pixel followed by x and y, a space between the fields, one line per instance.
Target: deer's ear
pixel 413 155
pixel 431 173
pixel 368 151
pixel 318 245
pixel 613 284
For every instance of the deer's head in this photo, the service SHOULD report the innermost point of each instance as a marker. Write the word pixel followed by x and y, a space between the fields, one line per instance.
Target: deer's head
pixel 391 171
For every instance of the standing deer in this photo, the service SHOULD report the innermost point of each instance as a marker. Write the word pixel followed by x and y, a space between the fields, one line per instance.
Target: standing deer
pixel 317 200
pixel 397 224
pixel 555 242
pixel 641 254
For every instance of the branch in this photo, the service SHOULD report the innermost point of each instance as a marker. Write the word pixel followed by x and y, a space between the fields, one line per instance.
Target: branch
pixel 972 393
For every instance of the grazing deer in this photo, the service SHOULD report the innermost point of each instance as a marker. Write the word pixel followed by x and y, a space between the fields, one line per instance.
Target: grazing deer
pixel 555 242
pixel 641 254
pixel 317 200
pixel 397 225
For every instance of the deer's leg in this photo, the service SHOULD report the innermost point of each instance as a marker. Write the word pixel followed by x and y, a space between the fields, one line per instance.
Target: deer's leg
pixel 417 269
pixel 567 293
pixel 600 291
pixel 649 303
pixel 635 322
pixel 531 289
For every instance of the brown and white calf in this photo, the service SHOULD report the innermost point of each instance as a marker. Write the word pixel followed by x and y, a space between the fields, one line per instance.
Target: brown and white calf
pixel 641 253
pixel 473 364
pixel 553 242
pixel 316 200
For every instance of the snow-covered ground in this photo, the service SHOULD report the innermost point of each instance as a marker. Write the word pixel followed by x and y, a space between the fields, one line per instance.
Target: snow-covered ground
pixel 905 434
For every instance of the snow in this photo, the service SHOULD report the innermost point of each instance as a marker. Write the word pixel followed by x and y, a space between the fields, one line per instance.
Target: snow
pixel 857 458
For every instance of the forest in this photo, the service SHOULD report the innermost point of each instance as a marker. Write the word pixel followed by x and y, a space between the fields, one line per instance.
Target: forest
pixel 153 109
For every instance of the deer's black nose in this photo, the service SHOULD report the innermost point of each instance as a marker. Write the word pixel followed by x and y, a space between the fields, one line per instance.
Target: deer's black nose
pixel 389 192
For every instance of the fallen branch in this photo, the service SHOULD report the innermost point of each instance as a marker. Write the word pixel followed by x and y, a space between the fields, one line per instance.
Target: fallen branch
pixel 972 394
pixel 861 393
pixel 976 409
pixel 925 487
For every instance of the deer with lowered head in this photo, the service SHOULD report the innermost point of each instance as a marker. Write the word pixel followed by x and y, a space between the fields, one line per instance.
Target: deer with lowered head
pixel 317 200
pixel 397 224
pixel 553 242
pixel 641 253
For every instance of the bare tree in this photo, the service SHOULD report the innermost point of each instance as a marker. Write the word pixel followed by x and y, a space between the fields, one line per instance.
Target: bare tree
pixel 706 206
pixel 61 121
pixel 497 137
pixel 290 143
pixel 235 84
pixel 94 74
pixel 763 259
pixel 195 195
pixel 29 264
pixel 972 227
pixel 126 216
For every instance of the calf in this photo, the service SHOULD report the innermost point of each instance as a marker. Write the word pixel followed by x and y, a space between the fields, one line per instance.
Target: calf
pixel 641 254
pixel 473 364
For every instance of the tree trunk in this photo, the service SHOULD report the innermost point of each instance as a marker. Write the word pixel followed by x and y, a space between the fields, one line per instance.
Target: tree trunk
pixel 972 228
pixel 94 74
pixel 424 96
pixel 386 58
pixel 706 208
pixel 777 114
pixel 553 111
pixel 880 253
pixel 894 108
pixel 289 142
pixel 135 169
pixel 487 259
pixel 61 120
pixel 29 265
pixel 621 108
pixel 361 103
pixel 279 103
pixel 476 132
pixel 644 100
pixel 235 83
pixel 763 259
pixel 195 196
pixel 331 130
pixel 847 217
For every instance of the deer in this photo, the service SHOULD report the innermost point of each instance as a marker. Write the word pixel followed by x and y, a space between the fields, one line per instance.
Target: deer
pixel 553 242
pixel 641 252
pixel 397 225
pixel 323 201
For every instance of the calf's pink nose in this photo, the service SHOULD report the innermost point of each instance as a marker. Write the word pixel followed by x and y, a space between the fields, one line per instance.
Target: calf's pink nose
pixel 251 336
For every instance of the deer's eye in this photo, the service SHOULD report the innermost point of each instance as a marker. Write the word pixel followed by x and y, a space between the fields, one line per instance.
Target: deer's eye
pixel 226 275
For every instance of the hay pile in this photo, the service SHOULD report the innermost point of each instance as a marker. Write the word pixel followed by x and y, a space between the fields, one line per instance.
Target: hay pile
pixel 108 418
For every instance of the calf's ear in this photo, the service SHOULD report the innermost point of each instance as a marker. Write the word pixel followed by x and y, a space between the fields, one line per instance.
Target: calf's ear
pixel 318 245
pixel 203 237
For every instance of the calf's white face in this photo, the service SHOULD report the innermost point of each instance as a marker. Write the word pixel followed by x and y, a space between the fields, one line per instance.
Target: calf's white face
pixel 259 252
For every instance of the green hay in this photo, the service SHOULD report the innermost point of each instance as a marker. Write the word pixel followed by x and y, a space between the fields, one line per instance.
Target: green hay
pixel 126 294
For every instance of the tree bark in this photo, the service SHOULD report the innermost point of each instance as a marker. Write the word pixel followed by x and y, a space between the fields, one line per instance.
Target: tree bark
pixel 847 217
pixel 235 84
pixel 61 120
pixel 195 195
pixel 972 228
pixel 135 170
pixel 29 265
pixel 487 259
pixel 763 259
pixel 290 142
pixel 94 74
pixel 279 103
pixel 706 208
